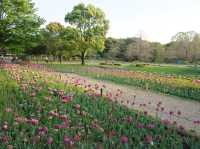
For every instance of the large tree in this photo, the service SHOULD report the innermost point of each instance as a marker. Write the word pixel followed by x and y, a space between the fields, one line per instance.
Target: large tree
pixel 19 25
pixel 91 26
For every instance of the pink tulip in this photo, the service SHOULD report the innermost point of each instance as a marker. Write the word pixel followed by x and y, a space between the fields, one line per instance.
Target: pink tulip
pixel 50 140
pixel 149 139
pixel 124 139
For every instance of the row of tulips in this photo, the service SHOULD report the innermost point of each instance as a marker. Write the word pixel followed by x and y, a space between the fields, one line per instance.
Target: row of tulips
pixel 39 111
pixel 173 85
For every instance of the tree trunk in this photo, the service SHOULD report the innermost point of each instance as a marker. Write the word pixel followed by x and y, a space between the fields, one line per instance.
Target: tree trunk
pixel 54 58
pixel 60 59
pixel 83 58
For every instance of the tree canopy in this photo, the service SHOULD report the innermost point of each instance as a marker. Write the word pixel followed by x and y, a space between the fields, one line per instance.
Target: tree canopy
pixel 19 24
pixel 91 27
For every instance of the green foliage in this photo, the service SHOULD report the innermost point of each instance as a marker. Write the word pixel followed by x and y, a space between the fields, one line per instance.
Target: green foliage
pixel 19 25
pixel 91 27
pixel 55 27
pixel 58 40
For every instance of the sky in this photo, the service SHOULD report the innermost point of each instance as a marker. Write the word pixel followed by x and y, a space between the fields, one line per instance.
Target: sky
pixel 154 20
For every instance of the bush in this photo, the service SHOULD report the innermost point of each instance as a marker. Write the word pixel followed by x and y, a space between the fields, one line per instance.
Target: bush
pixel 117 64
pixel 103 63
pixel 110 64
pixel 140 65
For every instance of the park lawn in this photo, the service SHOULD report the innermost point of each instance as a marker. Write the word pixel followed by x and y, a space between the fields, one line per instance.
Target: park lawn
pixel 33 119
pixel 189 71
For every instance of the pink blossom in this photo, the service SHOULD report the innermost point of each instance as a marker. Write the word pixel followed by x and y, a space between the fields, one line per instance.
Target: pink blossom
pixel 4 139
pixel 57 126
pixel 112 134
pixel 63 117
pixel 196 122
pixel 124 139
pixel 66 99
pixel 77 106
pixel 166 122
pixel 50 140
pixel 140 125
pixel 42 131
pixel 5 126
pixel 77 137
pixel 149 139
pixel 33 94
pixel 52 113
pixel 151 126
pixel 129 119
pixel 33 121
pixel 68 141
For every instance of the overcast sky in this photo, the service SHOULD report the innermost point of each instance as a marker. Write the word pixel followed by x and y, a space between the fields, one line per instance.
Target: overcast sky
pixel 157 20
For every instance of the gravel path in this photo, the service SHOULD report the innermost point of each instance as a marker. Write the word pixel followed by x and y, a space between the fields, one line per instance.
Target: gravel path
pixel 183 112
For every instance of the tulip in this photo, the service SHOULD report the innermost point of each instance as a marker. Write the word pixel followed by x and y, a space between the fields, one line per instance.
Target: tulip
pixel 149 139
pixel 77 106
pixel 77 137
pixel 33 121
pixel 68 141
pixel 124 139
pixel 50 140
pixel 5 126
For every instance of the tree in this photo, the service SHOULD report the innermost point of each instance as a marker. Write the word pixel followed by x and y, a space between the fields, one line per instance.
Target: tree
pixel 195 49
pixel 59 40
pixel 91 26
pixel 183 40
pixel 111 48
pixel 55 28
pixel 138 49
pixel 158 52
pixel 184 36
pixel 51 37
pixel 19 25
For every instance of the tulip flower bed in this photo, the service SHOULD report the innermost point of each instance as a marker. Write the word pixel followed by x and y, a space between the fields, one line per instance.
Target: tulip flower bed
pixel 174 85
pixel 38 111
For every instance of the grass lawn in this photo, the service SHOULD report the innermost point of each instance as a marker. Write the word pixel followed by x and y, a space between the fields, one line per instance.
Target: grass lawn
pixel 166 69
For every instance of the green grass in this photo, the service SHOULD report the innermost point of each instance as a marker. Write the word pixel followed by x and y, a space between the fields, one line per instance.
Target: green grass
pixel 163 69
pixel 8 90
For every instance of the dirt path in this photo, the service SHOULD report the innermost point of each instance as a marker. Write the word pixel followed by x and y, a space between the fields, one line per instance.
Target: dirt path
pixel 183 112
